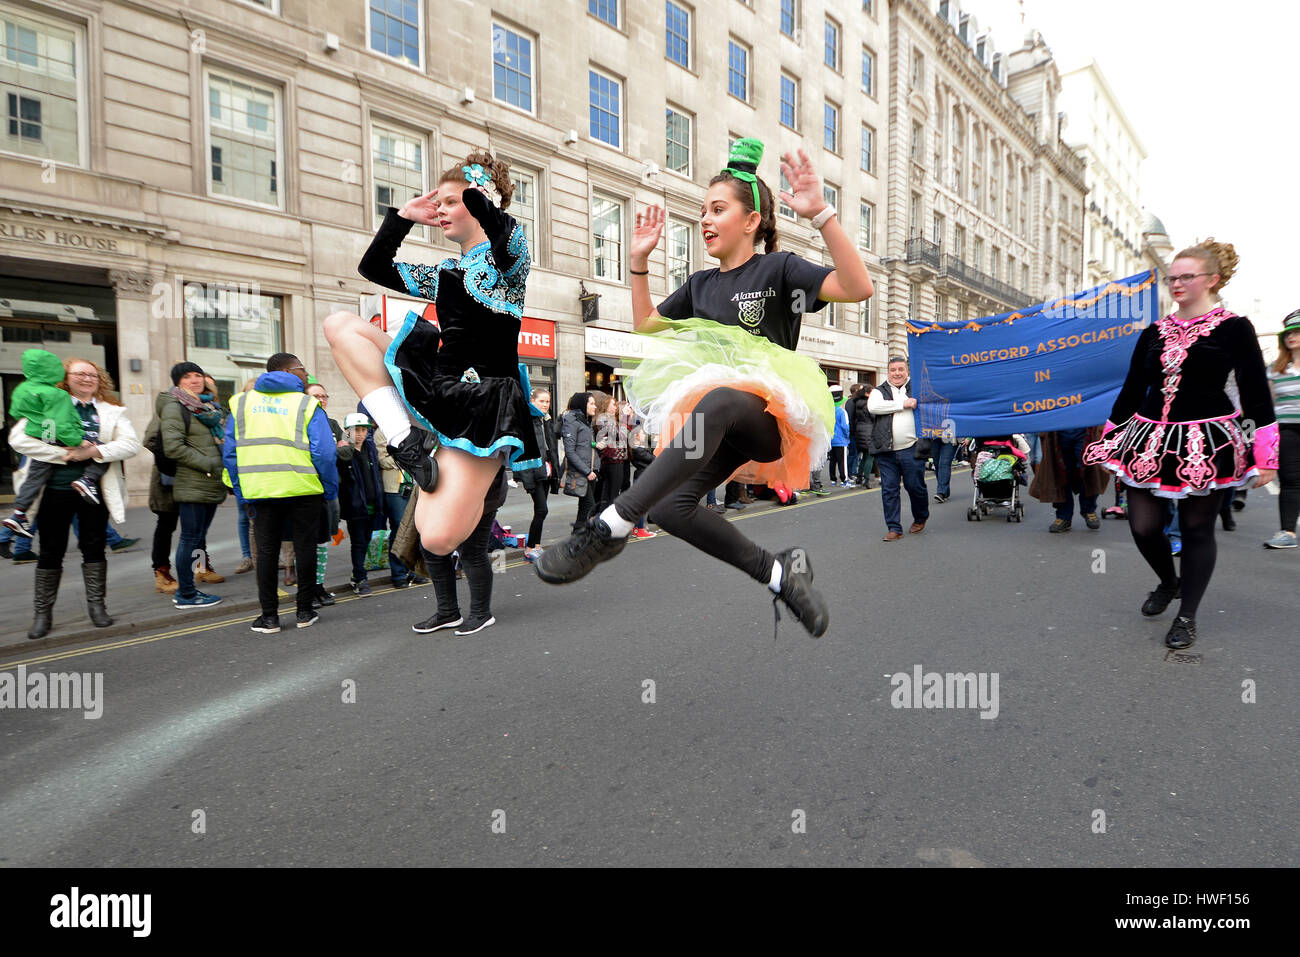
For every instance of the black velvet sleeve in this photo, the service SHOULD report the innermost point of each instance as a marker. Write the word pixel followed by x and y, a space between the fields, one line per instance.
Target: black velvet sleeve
pixel 503 231
pixel 377 263
pixel 1252 376
pixel 1136 383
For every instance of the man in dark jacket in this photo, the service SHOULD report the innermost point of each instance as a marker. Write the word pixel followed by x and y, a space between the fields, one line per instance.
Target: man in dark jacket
pixel 361 489
pixel 893 442
pixel 860 424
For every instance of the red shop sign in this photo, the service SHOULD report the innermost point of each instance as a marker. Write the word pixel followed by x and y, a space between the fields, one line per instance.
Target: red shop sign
pixel 537 338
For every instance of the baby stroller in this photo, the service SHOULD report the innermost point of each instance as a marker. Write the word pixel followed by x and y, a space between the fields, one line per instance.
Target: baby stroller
pixel 998 470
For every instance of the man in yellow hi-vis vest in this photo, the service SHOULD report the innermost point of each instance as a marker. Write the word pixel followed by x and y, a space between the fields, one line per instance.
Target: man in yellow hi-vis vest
pixel 280 456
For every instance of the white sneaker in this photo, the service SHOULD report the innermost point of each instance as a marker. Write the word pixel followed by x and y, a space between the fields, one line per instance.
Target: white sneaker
pixel 1281 540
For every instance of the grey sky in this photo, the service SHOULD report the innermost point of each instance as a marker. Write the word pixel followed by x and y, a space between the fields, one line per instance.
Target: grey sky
pixel 1212 88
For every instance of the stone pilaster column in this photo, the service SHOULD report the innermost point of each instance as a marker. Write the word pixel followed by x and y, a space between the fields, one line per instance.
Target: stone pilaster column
pixel 135 325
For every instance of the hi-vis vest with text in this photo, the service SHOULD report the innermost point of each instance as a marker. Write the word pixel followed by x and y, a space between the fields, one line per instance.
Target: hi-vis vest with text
pixel 272 451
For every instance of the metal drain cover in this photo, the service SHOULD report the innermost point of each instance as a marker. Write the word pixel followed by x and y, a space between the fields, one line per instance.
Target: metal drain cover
pixel 1182 658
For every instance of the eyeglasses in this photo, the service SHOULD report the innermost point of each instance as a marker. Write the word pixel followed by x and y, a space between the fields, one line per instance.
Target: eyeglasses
pixel 1185 277
pixel 84 375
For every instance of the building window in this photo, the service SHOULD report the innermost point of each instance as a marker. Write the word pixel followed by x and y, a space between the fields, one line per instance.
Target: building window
pixel 831 56
pixel 995 181
pixel 1024 278
pixel 607 237
pixel 1010 207
pixel 679 252
pixel 959 242
pixel 868 158
pixel 782 209
pixel 512 67
pixel 1011 268
pixel 868 72
pixel 914 225
pixel 523 205
pixel 918 141
pixel 397 168
pixel 937 229
pixel 679 141
pixel 978 253
pixel 224 321
pixel 831 127
pixel 678 34
pixel 958 150
pixel 995 263
pixel 604 96
pixel 738 70
pixel 866 226
pixel 395 29
pixel 38 68
pixel 977 169
pixel 1024 209
pixel 867 309
pixel 918 69
pixel 831 196
pixel 606 10
pixel 789 101
pixel 941 308
pixel 243 133
pixel 914 305
pixel 829 314
pixel 789 17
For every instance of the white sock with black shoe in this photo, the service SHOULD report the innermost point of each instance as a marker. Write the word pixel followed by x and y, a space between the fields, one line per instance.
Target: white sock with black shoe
pixel 619 527
pixel 388 409
pixel 777 574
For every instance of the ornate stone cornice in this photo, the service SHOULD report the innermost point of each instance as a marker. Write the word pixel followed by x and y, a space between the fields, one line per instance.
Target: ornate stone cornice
pixel 131 284
pixel 155 230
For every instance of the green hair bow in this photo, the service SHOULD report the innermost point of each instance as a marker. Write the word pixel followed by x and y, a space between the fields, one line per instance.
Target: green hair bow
pixel 743 162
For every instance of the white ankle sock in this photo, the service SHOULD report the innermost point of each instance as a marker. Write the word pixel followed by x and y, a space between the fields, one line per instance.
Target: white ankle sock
pixel 775 583
pixel 619 527
pixel 389 412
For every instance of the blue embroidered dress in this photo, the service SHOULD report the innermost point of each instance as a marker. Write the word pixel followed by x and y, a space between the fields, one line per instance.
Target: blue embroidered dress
pixel 461 377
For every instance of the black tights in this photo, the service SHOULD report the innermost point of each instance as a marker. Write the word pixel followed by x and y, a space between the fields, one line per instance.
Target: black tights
pixel 477 563
pixel 727 429
pixel 1147 516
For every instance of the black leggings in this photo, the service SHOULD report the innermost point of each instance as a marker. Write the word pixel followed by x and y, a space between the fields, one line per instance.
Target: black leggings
pixel 1147 517
pixel 1288 476
pixel 727 429
pixel 162 538
pixel 477 563
pixel 839 463
pixel 541 488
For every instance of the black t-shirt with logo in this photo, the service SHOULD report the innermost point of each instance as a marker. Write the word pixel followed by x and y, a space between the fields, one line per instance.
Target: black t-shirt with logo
pixel 766 296
pixel 64 475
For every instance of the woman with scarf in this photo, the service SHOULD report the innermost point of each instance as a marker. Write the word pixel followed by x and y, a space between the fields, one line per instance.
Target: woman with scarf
pixel 192 433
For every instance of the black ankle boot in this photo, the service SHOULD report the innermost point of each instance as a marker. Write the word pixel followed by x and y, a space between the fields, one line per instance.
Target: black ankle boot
pixel 47 590
pixel 96 578
pixel 1158 600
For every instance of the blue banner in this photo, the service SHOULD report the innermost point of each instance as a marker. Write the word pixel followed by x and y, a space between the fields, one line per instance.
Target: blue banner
pixel 1057 365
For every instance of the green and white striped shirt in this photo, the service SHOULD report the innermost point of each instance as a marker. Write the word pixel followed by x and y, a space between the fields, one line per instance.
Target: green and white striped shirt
pixel 1286 392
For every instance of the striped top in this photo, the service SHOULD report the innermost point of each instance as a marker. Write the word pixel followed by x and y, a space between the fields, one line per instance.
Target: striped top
pixel 1286 390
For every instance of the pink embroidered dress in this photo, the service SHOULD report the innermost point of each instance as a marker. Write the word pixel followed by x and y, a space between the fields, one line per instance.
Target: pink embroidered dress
pixel 1173 429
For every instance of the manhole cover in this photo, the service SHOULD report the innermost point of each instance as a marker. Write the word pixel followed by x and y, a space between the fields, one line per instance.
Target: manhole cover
pixel 1182 658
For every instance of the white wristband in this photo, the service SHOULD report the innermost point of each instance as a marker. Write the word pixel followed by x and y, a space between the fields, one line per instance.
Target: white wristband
pixel 822 218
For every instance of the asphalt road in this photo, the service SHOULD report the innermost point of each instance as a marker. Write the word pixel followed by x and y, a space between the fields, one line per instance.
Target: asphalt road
pixel 532 743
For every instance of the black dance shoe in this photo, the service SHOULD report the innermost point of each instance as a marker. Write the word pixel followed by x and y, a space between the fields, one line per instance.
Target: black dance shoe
pixel 1159 599
pixel 415 454
pixel 805 602
pixel 1181 633
pixel 578 554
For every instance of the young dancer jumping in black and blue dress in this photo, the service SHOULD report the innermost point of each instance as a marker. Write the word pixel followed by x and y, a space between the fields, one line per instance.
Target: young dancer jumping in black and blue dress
pixel 450 394
pixel 721 384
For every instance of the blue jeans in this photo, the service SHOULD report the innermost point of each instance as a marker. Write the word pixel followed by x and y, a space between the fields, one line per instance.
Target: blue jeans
pixel 943 453
pixel 1035 448
pixel 1072 443
pixel 854 454
pixel 195 519
pixel 902 466
pixel 395 508
pixel 243 533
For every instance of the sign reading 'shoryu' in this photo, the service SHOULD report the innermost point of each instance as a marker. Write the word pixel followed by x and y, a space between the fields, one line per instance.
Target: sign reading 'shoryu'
pixel 1057 365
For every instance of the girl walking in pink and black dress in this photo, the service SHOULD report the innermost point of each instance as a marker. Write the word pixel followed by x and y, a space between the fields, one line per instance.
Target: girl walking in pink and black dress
pixel 1174 433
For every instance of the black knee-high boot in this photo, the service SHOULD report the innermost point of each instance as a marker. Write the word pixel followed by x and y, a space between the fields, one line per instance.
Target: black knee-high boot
pixel 442 570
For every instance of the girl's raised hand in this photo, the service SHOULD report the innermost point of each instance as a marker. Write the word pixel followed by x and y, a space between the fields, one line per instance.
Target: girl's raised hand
pixel 422 209
pixel 649 227
pixel 805 197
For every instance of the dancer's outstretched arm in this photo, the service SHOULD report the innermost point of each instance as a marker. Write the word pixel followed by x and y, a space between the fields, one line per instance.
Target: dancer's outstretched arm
pixel 850 281
pixel 649 227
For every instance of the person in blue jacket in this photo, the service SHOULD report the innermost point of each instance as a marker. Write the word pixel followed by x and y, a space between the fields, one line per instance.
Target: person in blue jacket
pixel 840 440
pixel 275 514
